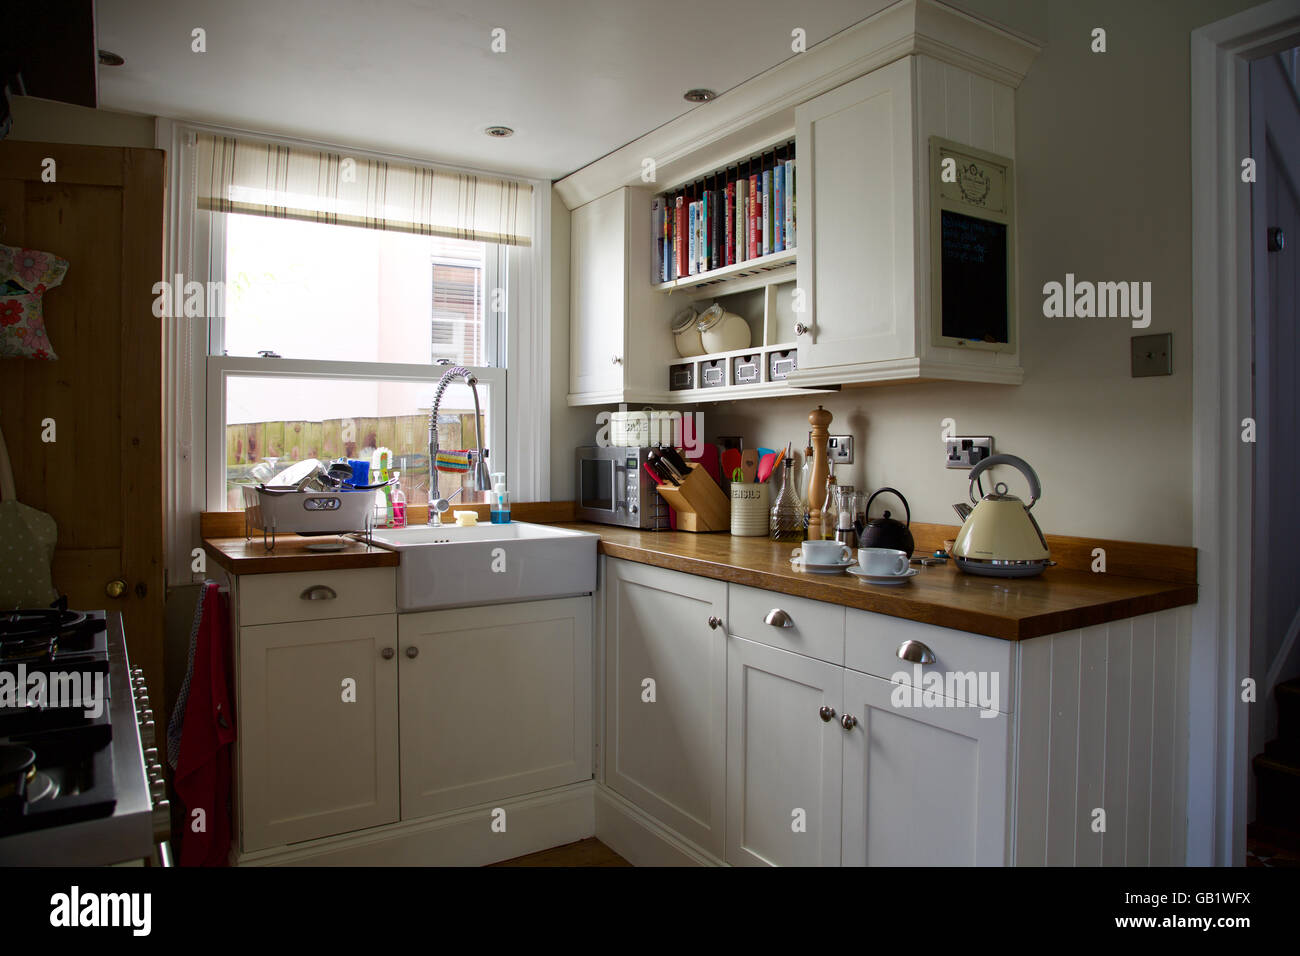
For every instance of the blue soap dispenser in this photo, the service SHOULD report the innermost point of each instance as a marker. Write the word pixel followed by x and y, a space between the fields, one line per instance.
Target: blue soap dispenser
pixel 500 507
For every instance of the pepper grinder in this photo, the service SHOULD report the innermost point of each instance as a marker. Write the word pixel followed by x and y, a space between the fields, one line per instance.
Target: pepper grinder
pixel 820 420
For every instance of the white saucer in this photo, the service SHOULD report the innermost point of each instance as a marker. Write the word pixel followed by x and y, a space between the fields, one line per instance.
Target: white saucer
pixel 888 580
pixel 838 568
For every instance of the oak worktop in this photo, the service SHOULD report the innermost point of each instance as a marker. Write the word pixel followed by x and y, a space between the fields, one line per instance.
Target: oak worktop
pixel 249 556
pixel 1013 609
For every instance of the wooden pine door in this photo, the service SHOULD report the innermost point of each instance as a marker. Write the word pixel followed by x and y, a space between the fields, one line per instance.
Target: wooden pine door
pixel 102 476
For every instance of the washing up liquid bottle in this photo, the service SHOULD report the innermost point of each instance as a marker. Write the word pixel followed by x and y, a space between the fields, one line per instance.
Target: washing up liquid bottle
pixel 500 507
pixel 399 503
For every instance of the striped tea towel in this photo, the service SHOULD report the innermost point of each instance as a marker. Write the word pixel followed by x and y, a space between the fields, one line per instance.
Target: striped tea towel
pixel 453 461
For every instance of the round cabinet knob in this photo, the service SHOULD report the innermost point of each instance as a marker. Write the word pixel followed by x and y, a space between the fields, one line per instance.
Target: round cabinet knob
pixel 800 329
pixel 827 713
pixel 848 721
pixel 412 651
pixel 616 360
pixel 115 588
pixel 387 653
pixel 715 622
pixel 1276 239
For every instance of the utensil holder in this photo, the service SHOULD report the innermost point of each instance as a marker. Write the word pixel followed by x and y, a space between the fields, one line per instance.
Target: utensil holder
pixel 750 509
pixel 698 501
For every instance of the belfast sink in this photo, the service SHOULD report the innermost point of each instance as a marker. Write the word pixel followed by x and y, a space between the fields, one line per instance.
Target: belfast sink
pixel 449 566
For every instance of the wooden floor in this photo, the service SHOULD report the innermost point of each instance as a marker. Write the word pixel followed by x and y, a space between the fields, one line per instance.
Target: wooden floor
pixel 589 852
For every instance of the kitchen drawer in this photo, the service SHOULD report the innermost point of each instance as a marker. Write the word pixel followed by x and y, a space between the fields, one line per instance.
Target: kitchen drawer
pixel 817 628
pixel 280 598
pixel 872 641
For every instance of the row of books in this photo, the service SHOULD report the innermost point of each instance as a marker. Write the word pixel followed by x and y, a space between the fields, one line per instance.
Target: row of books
pixel 700 229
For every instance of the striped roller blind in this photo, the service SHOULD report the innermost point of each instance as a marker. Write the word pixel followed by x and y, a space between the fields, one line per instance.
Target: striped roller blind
pixel 290 182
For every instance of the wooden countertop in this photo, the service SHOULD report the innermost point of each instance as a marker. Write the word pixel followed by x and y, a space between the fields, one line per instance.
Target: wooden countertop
pixel 1060 599
pixel 240 556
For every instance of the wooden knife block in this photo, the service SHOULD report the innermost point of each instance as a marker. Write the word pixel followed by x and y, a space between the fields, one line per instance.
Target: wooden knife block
pixel 699 502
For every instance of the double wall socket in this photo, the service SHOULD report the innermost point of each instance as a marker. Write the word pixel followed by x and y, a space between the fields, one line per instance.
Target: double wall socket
pixel 965 451
pixel 839 448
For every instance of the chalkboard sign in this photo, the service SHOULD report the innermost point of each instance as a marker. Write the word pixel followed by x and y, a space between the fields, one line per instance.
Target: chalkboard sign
pixel 974 277
pixel 972 248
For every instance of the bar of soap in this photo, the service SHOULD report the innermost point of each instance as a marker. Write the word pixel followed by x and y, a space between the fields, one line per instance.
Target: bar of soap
pixel 465 519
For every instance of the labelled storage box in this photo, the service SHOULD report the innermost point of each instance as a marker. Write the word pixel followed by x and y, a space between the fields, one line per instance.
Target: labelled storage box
pixel 713 373
pixel 681 376
pixel 781 364
pixel 747 369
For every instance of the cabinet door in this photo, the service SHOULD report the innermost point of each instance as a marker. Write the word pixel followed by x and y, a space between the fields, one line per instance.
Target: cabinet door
pixel 315 759
pixel 923 786
pixel 783 757
pixel 496 702
pixel 598 296
pixel 856 234
pixel 664 750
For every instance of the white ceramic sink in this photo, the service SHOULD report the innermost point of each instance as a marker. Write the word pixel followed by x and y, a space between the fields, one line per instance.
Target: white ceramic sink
pixel 449 566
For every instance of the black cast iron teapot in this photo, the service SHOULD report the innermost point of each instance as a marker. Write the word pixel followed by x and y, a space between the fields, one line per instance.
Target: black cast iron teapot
pixel 887 532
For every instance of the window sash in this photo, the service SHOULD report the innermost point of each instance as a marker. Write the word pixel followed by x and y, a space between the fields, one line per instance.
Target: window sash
pixel 221 367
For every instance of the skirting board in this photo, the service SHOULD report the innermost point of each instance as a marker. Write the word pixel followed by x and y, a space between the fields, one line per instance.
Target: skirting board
pixel 639 839
pixel 464 838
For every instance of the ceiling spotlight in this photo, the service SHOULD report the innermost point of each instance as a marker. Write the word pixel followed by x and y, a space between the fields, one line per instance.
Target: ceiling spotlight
pixel 699 96
pixel 109 58
pixel 500 132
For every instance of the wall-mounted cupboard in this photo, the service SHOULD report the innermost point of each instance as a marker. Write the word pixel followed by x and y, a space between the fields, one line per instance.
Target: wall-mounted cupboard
pixel 902 200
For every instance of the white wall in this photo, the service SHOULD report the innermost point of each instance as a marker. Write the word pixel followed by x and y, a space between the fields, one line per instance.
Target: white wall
pixel 1103 174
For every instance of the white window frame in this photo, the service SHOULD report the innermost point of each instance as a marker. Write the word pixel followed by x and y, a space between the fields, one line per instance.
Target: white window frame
pixel 519 427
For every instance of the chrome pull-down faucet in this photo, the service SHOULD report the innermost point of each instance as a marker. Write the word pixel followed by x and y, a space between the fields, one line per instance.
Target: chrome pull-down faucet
pixel 480 479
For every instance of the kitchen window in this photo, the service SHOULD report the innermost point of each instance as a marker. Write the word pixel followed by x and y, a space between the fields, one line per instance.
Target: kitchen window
pixel 338 287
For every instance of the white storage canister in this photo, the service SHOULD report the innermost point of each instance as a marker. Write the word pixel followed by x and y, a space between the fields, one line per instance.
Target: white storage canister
pixel 686 333
pixel 723 331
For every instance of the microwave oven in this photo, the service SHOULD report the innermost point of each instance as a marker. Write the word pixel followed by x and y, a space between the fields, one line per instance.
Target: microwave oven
pixel 612 487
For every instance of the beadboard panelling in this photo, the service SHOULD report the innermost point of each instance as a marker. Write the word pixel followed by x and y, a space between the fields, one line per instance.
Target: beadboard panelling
pixel 1103 723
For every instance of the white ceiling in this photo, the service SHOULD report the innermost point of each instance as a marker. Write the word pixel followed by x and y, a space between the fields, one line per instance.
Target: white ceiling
pixel 579 78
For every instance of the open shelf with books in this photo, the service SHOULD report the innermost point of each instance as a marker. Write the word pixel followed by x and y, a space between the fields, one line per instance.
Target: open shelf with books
pixel 736 223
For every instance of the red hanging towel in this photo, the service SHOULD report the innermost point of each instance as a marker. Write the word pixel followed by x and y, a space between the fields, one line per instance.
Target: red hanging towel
pixel 202 778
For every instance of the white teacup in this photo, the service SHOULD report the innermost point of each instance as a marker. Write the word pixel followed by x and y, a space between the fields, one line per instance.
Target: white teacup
pixel 883 561
pixel 822 552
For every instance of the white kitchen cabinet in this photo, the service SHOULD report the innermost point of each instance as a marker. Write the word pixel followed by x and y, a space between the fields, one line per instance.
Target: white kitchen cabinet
pixel 865 258
pixel 495 702
pixel 784 745
pixel 923 786
pixel 857 255
pixel 666 690
pixel 620 344
pixel 317 712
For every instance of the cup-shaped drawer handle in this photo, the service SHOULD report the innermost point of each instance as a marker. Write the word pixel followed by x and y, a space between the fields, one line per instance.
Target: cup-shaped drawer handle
pixel 319 592
pixel 915 652
pixel 778 618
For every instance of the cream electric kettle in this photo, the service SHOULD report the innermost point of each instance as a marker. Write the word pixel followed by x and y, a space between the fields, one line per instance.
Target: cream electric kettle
pixel 1000 538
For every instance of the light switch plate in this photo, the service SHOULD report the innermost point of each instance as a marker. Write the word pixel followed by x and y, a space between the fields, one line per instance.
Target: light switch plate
pixel 1152 355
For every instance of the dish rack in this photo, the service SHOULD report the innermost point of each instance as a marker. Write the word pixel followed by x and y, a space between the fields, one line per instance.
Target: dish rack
pixel 290 511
